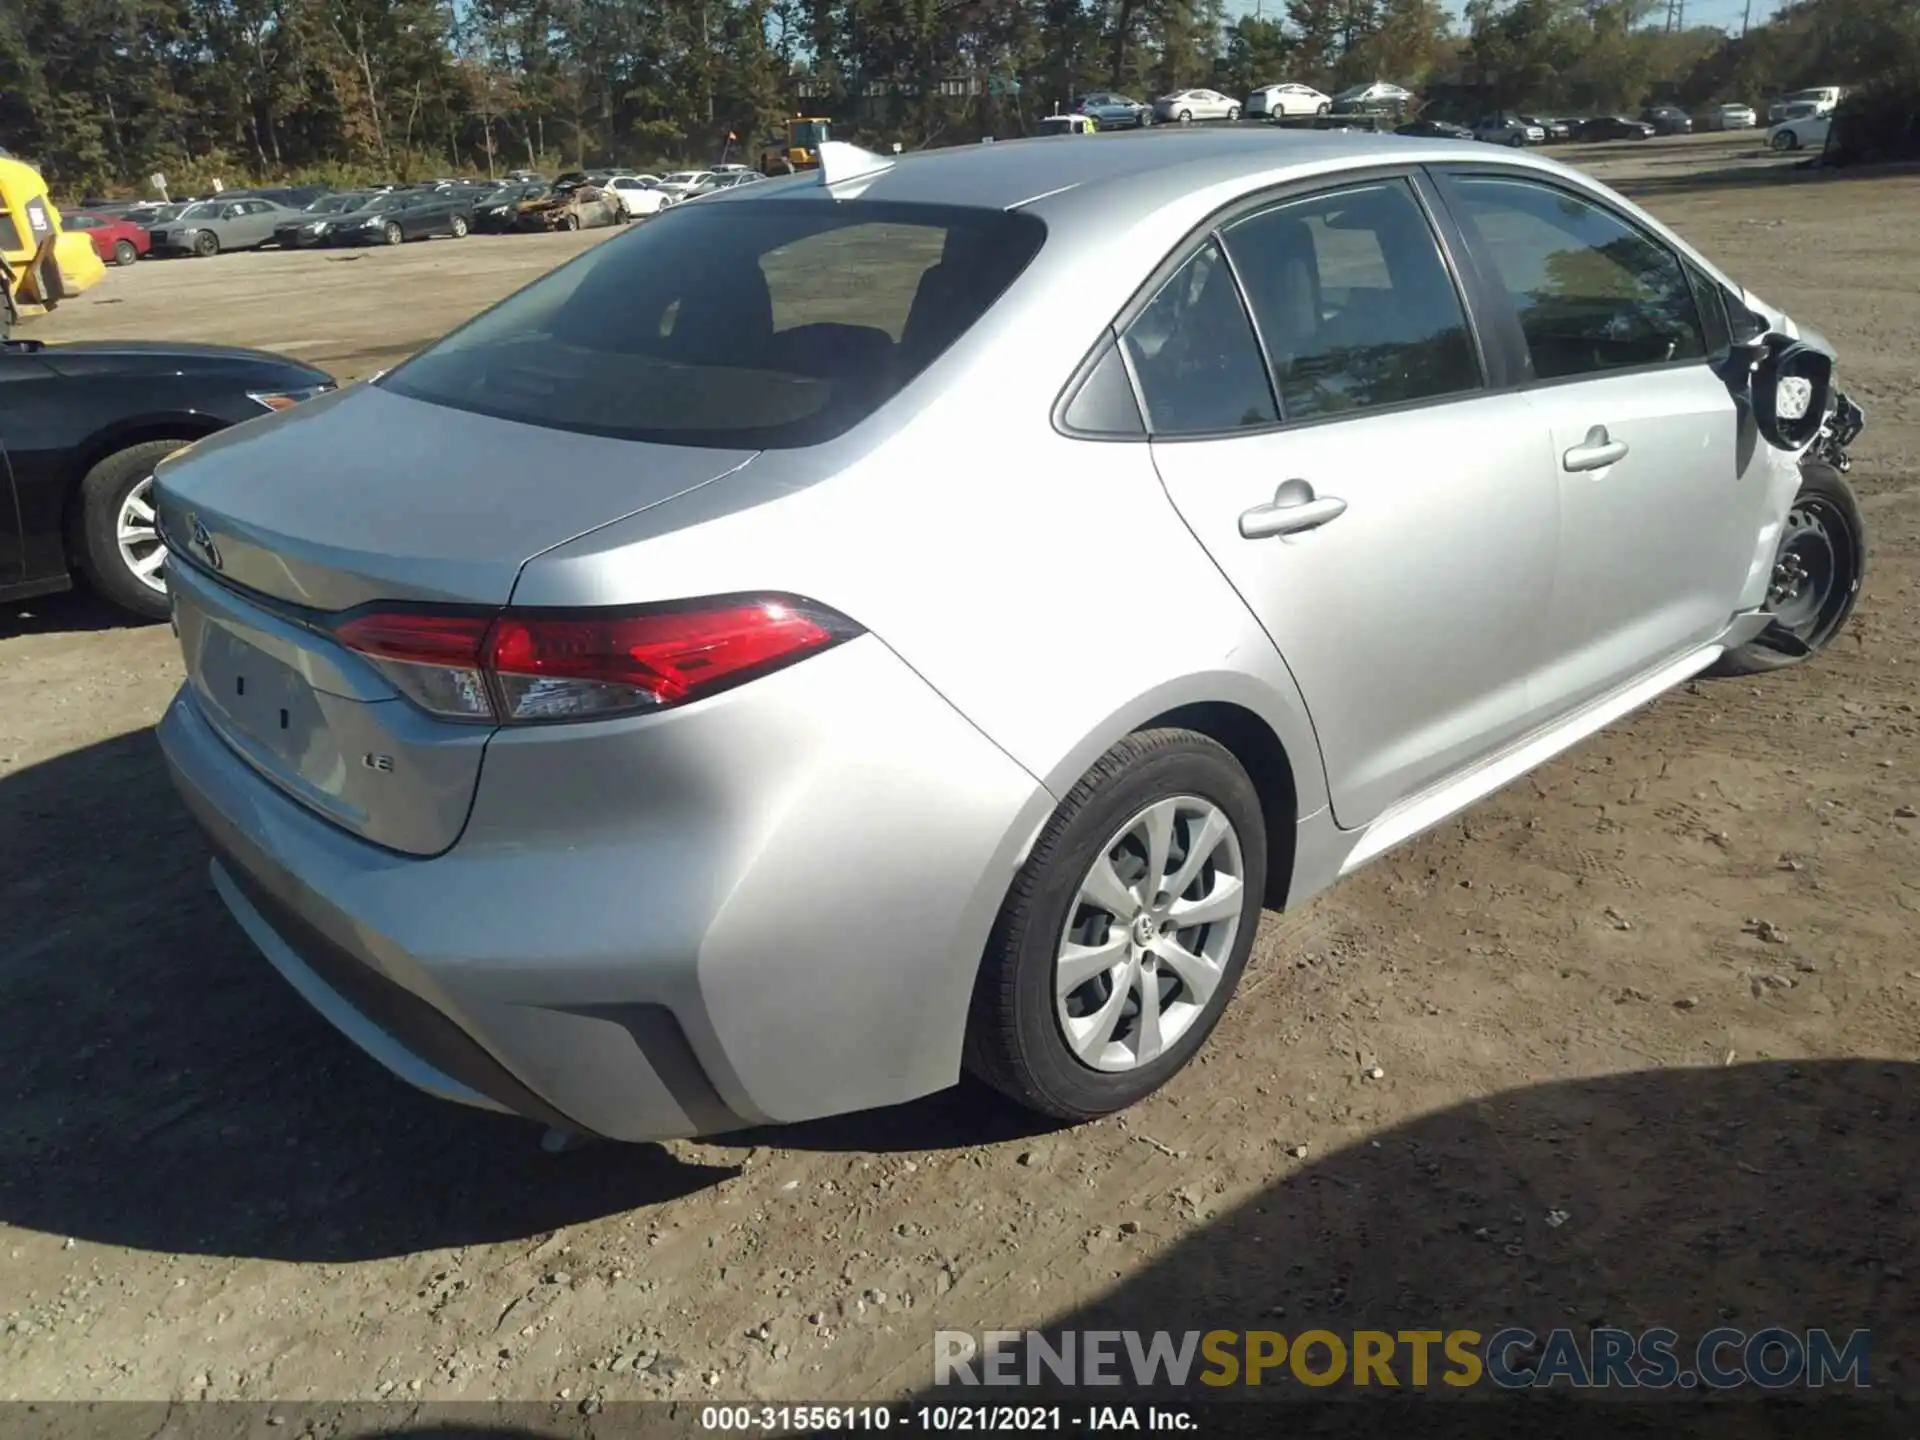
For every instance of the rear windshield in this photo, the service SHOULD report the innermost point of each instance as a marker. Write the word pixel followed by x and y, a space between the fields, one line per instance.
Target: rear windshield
pixel 752 324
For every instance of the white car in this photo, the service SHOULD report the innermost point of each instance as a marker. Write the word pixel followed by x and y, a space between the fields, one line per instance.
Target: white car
pixel 1804 130
pixel 1185 105
pixel 684 184
pixel 1279 101
pixel 639 195
pixel 1824 98
pixel 1733 117
pixel 720 183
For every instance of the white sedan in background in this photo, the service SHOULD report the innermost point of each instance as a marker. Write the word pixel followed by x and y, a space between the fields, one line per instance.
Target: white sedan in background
pixel 1281 101
pixel 684 184
pixel 639 195
pixel 1805 128
pixel 1185 105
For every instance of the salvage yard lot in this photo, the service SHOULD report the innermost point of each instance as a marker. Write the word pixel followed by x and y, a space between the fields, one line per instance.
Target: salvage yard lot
pixel 1570 992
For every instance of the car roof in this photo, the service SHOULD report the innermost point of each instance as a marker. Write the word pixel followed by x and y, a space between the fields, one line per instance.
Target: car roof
pixel 1060 177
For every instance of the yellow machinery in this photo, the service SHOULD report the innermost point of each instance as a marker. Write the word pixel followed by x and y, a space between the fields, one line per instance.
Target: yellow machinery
pixel 797 149
pixel 39 266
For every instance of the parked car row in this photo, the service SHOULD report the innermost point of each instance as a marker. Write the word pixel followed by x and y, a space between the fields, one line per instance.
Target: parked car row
pixel 299 218
pixel 1384 102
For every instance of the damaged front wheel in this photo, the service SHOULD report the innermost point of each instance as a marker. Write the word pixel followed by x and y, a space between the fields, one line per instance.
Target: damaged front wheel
pixel 1817 571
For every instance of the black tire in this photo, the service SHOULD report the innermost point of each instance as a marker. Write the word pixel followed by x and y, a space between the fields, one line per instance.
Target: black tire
pixel 1786 140
pixel 1827 499
pixel 457 227
pixel 97 547
pixel 206 244
pixel 570 221
pixel 125 252
pixel 1324 110
pixel 1186 117
pixel 393 234
pixel 1233 113
pixel 1014 1041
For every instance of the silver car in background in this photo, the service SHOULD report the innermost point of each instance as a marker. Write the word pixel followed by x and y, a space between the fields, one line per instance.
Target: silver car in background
pixel 1184 105
pixel 916 614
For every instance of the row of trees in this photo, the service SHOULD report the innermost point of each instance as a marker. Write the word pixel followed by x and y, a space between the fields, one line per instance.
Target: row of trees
pixel 102 92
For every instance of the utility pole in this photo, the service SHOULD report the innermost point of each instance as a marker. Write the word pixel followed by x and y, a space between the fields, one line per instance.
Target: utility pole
pixel 1746 15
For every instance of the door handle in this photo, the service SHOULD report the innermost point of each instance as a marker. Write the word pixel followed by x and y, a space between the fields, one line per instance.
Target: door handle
pixel 1596 452
pixel 1293 510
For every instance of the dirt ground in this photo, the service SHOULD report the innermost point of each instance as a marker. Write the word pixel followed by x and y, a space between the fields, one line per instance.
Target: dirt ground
pixel 1609 1092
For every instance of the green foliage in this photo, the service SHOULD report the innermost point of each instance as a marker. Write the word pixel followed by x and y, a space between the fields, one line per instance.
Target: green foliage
pixel 101 93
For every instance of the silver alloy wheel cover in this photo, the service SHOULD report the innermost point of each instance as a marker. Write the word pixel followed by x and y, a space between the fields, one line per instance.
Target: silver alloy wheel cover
pixel 1148 936
pixel 138 535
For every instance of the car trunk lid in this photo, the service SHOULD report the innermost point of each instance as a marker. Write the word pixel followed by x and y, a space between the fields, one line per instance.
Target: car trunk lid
pixel 363 497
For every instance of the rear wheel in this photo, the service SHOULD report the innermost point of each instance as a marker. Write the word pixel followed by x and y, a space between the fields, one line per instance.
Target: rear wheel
pixel 1817 572
pixel 125 252
pixel 206 243
pixel 1125 933
pixel 119 549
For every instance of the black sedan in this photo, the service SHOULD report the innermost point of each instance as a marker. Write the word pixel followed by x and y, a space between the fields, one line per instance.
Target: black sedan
pixel 1434 130
pixel 312 225
pixel 402 215
pixel 500 210
pixel 81 428
pixel 1614 127
pixel 1667 120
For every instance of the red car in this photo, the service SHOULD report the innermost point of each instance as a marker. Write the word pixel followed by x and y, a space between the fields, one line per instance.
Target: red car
pixel 116 241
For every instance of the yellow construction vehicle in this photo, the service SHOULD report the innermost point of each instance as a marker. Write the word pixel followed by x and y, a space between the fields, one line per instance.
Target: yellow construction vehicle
pixel 39 266
pixel 797 149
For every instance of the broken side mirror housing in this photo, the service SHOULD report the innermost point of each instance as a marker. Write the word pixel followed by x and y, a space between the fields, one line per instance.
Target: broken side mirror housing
pixel 1787 384
pixel 1792 391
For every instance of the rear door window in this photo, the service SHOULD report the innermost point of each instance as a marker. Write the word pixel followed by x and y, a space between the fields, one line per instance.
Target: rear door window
pixel 1355 305
pixel 754 324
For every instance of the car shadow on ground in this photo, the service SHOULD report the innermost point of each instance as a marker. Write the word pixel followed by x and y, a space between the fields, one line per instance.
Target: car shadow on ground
pixel 1739 1196
pixel 165 1090
pixel 1728 1197
pixel 72 612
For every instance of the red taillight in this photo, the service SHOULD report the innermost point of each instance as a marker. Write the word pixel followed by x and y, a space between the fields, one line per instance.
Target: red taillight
pixel 531 666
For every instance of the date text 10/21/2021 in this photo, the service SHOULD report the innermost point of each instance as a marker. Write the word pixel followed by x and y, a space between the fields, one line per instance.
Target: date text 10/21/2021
pixel 983 1419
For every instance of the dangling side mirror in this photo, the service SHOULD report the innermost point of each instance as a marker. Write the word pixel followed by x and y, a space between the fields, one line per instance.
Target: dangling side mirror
pixel 1792 390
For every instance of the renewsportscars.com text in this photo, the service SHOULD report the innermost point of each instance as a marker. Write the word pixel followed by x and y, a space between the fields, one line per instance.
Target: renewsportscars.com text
pixel 1512 1358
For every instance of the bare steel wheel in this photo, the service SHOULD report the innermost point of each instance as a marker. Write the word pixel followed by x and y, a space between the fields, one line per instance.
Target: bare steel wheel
pixel 1150 931
pixel 1123 937
pixel 1819 563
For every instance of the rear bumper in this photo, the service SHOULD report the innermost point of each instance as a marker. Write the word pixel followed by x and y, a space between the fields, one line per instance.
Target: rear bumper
pixel 767 907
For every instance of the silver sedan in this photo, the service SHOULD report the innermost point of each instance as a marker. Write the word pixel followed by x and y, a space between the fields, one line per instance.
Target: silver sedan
pixel 1184 105
pixel 917 614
